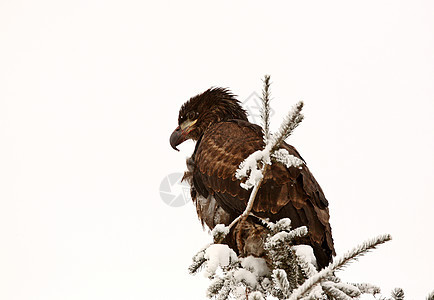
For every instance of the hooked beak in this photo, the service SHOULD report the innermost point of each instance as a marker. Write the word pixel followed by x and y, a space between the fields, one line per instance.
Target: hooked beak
pixel 176 138
pixel 179 135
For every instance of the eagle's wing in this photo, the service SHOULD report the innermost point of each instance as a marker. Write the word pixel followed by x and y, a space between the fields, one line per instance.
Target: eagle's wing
pixel 285 192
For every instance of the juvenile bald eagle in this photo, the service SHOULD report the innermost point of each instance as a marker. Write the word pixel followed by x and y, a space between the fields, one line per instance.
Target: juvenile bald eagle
pixel 224 138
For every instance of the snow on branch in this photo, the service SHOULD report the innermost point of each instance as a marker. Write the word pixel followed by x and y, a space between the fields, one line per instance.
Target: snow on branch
pixel 220 231
pixel 280 279
pixel 285 237
pixel 265 110
pixel 218 255
pixel 198 261
pixel 250 169
pixel 289 272
pixel 291 121
pixel 289 160
pixel 339 264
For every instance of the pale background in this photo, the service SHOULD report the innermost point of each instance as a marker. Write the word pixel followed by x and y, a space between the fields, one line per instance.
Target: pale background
pixel 90 92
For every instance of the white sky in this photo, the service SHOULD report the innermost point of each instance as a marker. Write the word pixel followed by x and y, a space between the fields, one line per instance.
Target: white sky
pixel 89 95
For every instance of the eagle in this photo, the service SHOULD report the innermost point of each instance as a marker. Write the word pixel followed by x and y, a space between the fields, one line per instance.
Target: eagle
pixel 224 138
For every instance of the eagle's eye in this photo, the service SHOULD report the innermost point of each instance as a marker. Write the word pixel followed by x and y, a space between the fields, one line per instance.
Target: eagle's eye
pixel 192 115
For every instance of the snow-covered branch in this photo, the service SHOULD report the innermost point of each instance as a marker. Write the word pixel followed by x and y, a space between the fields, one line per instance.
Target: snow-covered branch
pixel 291 121
pixel 265 110
pixel 288 273
pixel 339 264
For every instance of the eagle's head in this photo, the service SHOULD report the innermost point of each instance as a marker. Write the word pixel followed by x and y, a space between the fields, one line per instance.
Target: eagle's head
pixel 203 110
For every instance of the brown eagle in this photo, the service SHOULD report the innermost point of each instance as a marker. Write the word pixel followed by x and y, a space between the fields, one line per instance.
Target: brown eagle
pixel 224 138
